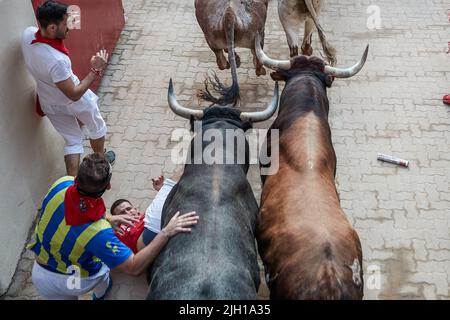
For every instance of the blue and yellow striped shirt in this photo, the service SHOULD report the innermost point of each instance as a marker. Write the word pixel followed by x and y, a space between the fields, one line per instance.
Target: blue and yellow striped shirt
pixel 58 246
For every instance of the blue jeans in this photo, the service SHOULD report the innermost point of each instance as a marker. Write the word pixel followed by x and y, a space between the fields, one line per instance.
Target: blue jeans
pixel 148 236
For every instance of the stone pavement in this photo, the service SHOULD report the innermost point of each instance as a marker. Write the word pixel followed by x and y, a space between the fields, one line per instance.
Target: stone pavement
pixel 392 106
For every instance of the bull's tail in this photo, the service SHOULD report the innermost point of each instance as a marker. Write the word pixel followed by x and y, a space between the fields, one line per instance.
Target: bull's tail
pixel 229 21
pixel 228 95
pixel 329 50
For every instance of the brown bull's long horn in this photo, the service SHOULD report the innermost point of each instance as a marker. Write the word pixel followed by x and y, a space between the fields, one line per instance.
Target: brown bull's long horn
pixel 265 60
pixel 349 72
pixel 265 114
pixel 179 109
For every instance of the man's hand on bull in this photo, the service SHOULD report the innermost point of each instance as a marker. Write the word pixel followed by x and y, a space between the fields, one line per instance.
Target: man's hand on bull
pixel 158 183
pixel 117 220
pixel 180 223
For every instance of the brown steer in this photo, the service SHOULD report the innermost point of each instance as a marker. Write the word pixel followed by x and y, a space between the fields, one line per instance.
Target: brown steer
pixel 309 249
pixel 232 23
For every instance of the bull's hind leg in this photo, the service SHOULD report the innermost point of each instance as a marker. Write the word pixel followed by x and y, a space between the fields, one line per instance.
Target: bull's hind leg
pixel 292 39
pixel 291 22
pixel 222 62
pixel 259 68
pixel 238 59
pixel 307 38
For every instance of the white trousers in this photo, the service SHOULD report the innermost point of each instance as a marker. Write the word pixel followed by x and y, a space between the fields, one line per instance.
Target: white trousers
pixel 56 286
pixel 64 120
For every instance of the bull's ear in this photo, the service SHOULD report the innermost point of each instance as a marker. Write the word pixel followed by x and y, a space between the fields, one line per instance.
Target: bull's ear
pixel 329 80
pixel 277 76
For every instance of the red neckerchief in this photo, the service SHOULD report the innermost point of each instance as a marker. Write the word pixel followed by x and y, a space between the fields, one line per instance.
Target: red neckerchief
pixel 79 210
pixel 57 44
pixel 131 235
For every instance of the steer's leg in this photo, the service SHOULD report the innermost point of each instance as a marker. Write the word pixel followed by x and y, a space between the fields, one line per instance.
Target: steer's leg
pixel 291 22
pixel 222 62
pixel 259 68
pixel 307 38
pixel 260 71
pixel 238 59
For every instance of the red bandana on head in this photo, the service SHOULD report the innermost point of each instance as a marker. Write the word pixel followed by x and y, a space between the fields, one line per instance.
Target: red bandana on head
pixel 79 210
pixel 57 44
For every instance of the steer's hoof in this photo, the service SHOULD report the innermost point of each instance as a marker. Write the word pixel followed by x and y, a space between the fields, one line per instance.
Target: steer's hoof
pixel 293 51
pixel 223 66
pixel 332 61
pixel 238 60
pixel 307 51
pixel 260 71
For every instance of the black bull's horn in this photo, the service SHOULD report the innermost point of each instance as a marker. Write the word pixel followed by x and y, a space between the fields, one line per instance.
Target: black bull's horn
pixel 245 116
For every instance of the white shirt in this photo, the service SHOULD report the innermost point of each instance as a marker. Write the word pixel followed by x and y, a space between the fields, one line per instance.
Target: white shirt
pixel 49 66
pixel 152 220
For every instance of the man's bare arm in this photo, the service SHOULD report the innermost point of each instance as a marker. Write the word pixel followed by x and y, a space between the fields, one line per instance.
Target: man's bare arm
pixel 137 263
pixel 73 92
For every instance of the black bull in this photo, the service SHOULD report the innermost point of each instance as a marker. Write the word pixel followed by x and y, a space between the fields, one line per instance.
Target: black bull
pixel 218 258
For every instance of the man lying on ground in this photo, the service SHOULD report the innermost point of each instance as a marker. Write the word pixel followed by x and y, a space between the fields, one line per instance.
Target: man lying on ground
pixel 146 226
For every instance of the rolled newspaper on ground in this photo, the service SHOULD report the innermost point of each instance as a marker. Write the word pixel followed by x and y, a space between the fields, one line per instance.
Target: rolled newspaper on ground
pixel 392 159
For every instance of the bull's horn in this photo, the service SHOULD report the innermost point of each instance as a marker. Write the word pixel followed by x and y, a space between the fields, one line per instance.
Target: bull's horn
pixel 349 72
pixel 265 114
pixel 265 60
pixel 179 109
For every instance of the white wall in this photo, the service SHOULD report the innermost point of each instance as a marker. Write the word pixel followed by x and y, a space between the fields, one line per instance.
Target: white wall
pixel 31 155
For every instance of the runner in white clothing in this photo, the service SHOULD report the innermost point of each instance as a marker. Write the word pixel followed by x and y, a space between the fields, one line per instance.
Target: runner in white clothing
pixel 67 101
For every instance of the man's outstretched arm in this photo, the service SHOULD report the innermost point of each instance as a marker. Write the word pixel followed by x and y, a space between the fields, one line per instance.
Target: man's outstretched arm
pixel 73 92
pixel 136 264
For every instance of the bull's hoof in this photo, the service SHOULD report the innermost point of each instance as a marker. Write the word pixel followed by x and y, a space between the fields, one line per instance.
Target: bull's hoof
pixel 332 61
pixel 307 50
pixel 260 71
pixel 238 60
pixel 293 51
pixel 223 66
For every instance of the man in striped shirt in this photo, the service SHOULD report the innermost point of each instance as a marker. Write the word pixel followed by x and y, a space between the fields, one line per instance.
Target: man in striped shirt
pixel 75 245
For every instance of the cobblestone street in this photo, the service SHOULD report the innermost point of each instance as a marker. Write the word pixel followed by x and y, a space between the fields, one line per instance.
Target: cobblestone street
pixel 392 106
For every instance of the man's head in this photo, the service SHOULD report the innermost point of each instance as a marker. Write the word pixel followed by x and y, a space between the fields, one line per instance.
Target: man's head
pixel 122 206
pixel 94 176
pixel 52 17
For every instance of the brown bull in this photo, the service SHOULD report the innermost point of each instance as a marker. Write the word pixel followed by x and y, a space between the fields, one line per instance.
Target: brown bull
pixel 309 249
pixel 232 23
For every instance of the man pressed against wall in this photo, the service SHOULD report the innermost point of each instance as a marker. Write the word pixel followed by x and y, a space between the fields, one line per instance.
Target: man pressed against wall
pixel 68 102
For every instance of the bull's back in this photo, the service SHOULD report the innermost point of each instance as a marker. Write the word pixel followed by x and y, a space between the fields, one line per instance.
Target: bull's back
pixel 248 16
pixel 307 245
pixel 218 259
pixel 304 238
pixel 307 258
